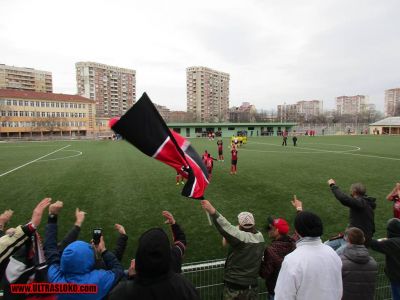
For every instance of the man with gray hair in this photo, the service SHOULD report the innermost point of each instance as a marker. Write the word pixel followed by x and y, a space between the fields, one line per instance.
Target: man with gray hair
pixel 361 212
pixel 246 248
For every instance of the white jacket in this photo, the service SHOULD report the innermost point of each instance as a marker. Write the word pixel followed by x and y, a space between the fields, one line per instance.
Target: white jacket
pixel 313 271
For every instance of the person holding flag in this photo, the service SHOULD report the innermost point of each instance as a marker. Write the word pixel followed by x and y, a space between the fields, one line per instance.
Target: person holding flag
pixel 246 247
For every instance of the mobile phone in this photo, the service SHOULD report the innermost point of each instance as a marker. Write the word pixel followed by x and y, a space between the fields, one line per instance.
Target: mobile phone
pixel 97 233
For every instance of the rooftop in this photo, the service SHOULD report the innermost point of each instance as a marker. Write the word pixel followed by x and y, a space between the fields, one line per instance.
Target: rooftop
pixel 391 121
pixel 22 94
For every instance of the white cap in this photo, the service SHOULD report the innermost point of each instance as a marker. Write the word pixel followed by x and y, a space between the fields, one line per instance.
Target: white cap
pixel 246 219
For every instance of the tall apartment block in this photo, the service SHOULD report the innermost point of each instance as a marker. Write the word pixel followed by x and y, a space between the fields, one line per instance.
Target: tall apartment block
pixel 351 105
pixel 28 79
pixel 304 109
pixel 207 94
pixel 112 88
pixel 287 112
pixel 392 102
pixel 310 108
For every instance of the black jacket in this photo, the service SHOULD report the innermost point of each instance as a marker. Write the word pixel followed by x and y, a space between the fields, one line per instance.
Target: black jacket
pixel 391 248
pixel 171 286
pixel 359 271
pixel 361 211
pixel 155 278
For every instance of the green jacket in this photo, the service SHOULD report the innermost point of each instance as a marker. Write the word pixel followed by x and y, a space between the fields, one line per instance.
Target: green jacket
pixel 245 252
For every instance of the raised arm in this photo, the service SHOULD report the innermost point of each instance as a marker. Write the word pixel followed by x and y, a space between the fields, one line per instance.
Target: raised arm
pixel 394 192
pixel 346 200
pixel 232 234
pixel 122 242
pixel 50 243
pixel 10 244
pixel 73 234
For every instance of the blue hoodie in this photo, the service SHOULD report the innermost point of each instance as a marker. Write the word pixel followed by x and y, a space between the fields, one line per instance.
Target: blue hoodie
pixel 77 266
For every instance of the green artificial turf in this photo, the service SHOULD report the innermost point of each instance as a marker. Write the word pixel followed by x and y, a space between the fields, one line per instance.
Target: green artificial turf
pixel 115 183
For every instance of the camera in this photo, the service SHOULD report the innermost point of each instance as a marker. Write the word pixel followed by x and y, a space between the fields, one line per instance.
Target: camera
pixel 97 233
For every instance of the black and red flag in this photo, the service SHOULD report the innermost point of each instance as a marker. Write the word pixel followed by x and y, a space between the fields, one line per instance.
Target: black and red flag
pixel 143 127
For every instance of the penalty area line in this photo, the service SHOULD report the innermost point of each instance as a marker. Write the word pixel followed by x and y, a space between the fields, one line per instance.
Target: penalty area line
pixel 32 161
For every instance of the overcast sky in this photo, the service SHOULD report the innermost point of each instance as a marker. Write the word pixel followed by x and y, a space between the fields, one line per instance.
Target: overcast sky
pixel 275 51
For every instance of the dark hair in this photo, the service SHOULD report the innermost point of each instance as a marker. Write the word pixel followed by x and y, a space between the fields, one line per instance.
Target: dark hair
pixel 308 224
pixel 354 236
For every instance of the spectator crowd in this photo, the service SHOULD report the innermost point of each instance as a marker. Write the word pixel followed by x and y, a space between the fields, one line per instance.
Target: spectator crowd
pixel 296 266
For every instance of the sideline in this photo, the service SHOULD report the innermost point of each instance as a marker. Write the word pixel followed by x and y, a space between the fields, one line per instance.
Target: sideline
pixel 28 163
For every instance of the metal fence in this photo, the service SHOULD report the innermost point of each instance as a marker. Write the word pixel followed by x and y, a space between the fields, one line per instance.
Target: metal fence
pixel 207 277
pixel 334 129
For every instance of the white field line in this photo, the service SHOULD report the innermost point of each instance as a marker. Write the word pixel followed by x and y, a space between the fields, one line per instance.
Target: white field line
pixel 59 158
pixel 348 152
pixel 28 163
pixel 374 156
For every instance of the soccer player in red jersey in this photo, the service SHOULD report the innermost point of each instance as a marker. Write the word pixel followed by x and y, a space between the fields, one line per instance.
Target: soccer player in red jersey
pixel 220 150
pixel 234 153
pixel 395 197
pixel 204 157
pixel 209 165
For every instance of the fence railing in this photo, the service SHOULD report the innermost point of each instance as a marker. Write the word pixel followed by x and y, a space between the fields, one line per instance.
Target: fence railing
pixel 207 277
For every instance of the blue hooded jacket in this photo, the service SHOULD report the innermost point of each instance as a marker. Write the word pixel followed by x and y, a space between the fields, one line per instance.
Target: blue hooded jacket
pixel 77 266
pixel 77 263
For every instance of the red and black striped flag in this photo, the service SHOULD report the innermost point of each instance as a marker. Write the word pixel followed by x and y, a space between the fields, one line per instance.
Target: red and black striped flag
pixel 143 127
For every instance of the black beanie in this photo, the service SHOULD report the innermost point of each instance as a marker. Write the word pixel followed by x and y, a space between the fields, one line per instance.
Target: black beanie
pixel 308 224
pixel 153 255
pixel 393 228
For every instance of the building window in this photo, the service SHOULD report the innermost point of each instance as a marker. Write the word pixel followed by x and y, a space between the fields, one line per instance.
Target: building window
pixel 15 113
pixel 15 102
pixel 42 104
pixel 62 105
pixel 8 102
pixel 231 128
pixel 26 103
pixel 32 103
pixel 47 104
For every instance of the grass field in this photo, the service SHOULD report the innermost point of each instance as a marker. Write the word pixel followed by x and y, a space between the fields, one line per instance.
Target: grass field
pixel 115 183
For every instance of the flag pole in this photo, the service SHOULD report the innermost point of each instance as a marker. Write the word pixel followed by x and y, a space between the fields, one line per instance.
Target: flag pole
pixel 208 217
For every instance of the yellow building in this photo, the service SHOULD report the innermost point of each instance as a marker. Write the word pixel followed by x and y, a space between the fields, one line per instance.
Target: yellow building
pixel 37 114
